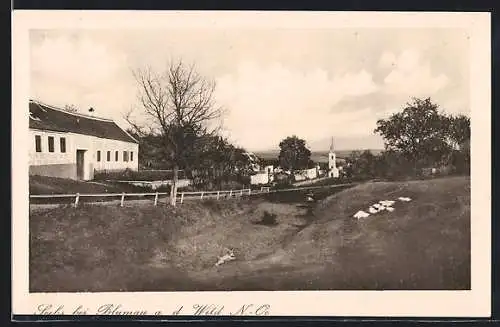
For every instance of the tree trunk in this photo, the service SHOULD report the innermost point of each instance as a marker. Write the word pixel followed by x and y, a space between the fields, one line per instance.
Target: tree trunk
pixel 173 188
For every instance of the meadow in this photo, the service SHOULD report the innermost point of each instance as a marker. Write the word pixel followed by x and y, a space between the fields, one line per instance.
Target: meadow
pixel 424 244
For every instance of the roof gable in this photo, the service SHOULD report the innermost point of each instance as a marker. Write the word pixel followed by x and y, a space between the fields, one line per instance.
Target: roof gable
pixel 45 117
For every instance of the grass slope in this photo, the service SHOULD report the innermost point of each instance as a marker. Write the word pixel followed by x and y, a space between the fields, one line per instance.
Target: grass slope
pixel 54 185
pixel 423 244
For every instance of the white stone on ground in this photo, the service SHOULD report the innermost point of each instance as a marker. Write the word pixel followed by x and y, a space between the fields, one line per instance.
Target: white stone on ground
pixel 227 257
pixel 361 214
pixel 378 206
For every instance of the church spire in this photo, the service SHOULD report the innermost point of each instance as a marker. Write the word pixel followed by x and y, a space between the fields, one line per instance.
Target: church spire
pixel 331 146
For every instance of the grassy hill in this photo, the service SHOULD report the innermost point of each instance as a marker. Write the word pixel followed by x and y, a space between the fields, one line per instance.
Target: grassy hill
pixel 423 244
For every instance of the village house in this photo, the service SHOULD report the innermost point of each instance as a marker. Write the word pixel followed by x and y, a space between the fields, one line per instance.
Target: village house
pixel 332 171
pixel 304 174
pixel 73 145
pixel 263 177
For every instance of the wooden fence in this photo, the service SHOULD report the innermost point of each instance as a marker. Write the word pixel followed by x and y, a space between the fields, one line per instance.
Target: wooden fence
pixel 181 196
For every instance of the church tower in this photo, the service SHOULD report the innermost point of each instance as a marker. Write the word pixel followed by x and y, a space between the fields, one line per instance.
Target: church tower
pixel 333 171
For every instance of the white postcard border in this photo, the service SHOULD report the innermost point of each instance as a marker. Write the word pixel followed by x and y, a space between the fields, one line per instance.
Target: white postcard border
pixel 473 303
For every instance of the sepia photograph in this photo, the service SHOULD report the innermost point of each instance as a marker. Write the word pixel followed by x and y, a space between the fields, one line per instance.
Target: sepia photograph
pixel 248 159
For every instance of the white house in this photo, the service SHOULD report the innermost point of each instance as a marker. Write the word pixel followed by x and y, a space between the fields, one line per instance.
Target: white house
pixel 263 177
pixel 304 174
pixel 259 179
pixel 71 145
pixel 311 173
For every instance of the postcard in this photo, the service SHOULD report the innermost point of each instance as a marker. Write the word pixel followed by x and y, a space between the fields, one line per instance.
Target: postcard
pixel 251 163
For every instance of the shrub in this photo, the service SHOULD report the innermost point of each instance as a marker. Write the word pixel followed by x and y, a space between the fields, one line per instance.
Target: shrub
pixel 268 219
pixel 210 203
pixel 141 175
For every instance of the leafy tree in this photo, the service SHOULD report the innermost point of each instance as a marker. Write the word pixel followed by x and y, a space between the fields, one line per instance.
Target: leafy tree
pixel 212 160
pixel 151 151
pixel 459 138
pixel 422 136
pixel 393 165
pixel 419 132
pixel 294 154
pixel 349 168
pixel 216 160
pixel 459 131
pixel 179 104
pixel 361 165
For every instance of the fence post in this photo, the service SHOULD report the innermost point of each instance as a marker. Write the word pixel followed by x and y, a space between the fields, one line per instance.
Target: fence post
pixel 182 197
pixel 249 191
pixel 218 193
pixel 230 193
pixel 123 198
pixel 241 192
pixel 156 198
pixel 201 196
pixel 77 198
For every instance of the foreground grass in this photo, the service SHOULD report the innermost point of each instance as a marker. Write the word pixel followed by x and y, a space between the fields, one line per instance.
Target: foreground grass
pixel 112 248
pixel 424 244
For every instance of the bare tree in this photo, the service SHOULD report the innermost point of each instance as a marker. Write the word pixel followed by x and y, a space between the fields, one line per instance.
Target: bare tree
pixel 180 105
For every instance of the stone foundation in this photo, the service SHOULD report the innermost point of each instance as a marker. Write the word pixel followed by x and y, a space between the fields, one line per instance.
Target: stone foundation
pixel 59 170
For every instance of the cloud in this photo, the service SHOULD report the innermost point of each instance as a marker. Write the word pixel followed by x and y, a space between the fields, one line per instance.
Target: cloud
pixel 82 72
pixel 77 61
pixel 269 103
pixel 412 77
pixel 338 85
pixel 379 102
pixel 387 59
pixel 406 76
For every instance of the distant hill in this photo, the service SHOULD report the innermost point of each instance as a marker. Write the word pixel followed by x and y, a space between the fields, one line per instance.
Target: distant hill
pixel 316 156
pixel 369 141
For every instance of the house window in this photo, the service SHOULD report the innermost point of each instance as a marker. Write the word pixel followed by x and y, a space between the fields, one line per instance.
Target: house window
pixel 125 156
pixel 116 155
pixel 98 155
pixel 51 144
pixel 131 155
pixel 62 144
pixel 108 156
pixel 38 143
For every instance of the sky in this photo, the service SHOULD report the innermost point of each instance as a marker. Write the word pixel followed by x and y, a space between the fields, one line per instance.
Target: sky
pixel 272 83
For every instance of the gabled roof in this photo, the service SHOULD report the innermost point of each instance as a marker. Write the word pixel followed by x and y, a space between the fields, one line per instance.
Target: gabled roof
pixel 49 118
